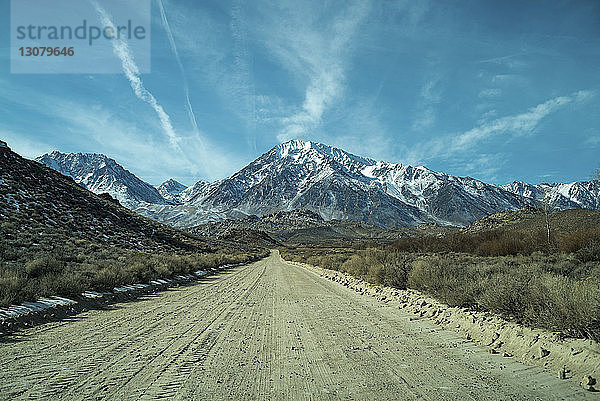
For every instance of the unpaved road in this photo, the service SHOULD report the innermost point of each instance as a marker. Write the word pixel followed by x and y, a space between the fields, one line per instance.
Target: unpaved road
pixel 269 330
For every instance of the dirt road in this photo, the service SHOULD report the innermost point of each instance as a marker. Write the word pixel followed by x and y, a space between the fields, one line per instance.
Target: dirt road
pixel 268 330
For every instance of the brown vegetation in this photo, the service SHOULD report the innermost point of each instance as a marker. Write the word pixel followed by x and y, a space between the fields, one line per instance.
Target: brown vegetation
pixel 507 272
pixel 102 270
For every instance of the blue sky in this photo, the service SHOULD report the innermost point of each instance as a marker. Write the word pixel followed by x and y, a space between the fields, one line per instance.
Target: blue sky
pixel 496 90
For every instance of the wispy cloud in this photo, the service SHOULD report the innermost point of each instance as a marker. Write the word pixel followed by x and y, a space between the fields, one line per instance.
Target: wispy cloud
pixel 514 126
pixel 424 119
pixel 485 166
pixel 363 133
pixel 186 87
pixel 318 57
pixel 132 72
pixel 93 128
pixel 429 97
pixel 222 54
pixel 490 93
pixel 593 141
pixel 194 149
pixel 23 145
pixel 510 61
pixel 89 125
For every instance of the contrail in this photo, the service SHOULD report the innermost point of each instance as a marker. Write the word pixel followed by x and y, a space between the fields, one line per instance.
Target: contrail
pixel 132 72
pixel 186 88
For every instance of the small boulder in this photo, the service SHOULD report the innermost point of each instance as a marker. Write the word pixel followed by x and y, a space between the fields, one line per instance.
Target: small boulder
pixel 562 374
pixel 588 383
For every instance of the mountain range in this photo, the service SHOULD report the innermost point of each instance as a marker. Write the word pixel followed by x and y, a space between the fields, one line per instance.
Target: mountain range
pixel 323 179
pixel 42 211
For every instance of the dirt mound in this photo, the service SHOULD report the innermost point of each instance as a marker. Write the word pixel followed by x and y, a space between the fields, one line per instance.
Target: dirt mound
pixel 568 358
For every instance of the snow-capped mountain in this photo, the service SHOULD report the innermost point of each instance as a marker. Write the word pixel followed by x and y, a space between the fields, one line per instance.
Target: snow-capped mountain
pixel 171 190
pixel 338 185
pixel 575 195
pixel 99 174
pixel 193 192
pixel 323 179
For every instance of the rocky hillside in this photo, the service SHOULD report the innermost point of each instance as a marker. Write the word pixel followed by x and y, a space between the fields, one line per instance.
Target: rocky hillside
pixel 530 219
pixel 40 207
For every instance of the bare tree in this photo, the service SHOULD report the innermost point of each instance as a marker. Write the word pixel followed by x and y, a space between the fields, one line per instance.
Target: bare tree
pixel 596 177
pixel 548 207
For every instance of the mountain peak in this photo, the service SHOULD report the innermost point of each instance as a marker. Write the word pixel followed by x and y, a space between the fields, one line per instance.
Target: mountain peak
pixel 99 173
pixel 171 190
pixel 172 182
pixel 171 186
pixel 295 148
pixel 296 143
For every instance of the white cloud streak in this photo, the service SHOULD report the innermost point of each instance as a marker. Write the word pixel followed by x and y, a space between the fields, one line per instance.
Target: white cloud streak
pixel 186 87
pixel 132 72
pixel 194 150
pixel 517 125
pixel 514 126
pixel 319 56
pixel 430 97
pixel 24 146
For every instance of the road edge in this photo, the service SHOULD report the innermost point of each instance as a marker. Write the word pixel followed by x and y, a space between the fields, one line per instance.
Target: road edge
pixel 45 310
pixel 574 360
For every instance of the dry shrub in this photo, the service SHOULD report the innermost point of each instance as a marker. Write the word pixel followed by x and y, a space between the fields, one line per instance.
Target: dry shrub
pixel 525 292
pixel 590 253
pixel 574 306
pixel 356 266
pixel 486 243
pixel 12 285
pixel 332 262
pixel 46 265
pixel 379 267
pixel 502 246
pixel 69 275
pixel 447 279
pixel 512 292
pixel 579 239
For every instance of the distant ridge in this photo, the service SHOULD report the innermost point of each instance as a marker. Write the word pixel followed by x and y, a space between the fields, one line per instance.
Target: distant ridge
pixel 323 179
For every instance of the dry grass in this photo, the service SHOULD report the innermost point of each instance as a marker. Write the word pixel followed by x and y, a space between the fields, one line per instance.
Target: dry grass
pixel 48 275
pixel 558 291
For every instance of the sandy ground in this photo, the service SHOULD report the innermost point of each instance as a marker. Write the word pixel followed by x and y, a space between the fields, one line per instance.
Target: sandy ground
pixel 269 330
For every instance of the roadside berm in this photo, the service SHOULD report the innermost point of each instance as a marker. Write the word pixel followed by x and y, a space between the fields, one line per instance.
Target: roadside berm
pixel 577 360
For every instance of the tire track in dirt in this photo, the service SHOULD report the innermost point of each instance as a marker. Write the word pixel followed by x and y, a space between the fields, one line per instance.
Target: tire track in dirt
pixel 269 330
pixel 118 340
pixel 185 330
